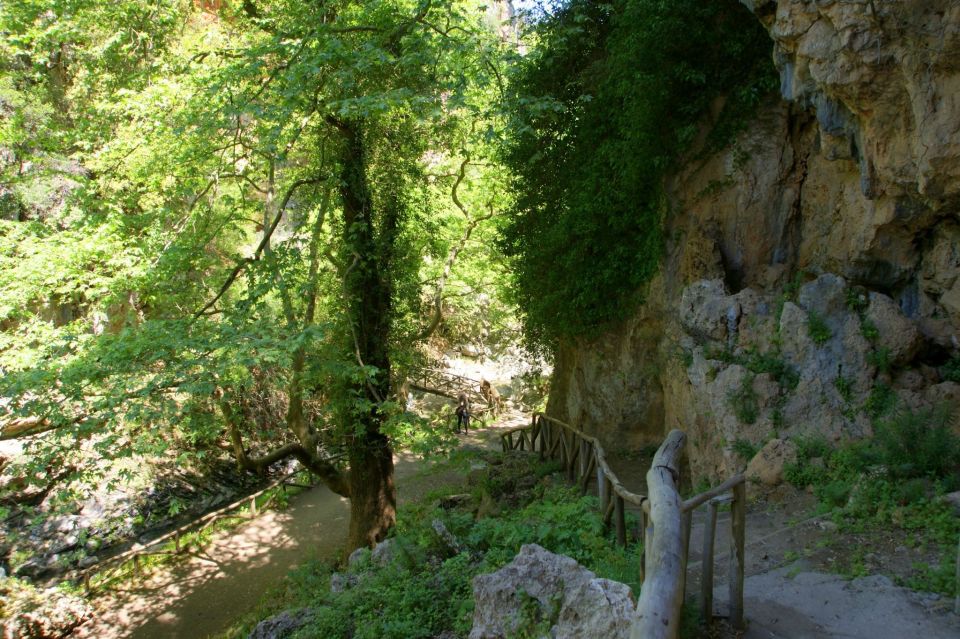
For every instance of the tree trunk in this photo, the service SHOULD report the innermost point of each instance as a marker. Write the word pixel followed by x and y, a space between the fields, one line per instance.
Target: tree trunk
pixel 368 293
pixel 373 502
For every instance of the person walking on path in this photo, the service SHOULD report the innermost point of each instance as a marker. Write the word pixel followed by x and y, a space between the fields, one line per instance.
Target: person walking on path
pixel 463 412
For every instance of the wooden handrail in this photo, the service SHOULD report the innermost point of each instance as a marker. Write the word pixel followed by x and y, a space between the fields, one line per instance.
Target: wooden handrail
pixel 667 526
pixel 139 550
pixel 658 608
pixel 704 497
pixel 600 455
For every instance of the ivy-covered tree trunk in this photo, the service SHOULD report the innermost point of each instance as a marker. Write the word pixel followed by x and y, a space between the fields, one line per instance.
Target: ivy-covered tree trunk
pixel 368 296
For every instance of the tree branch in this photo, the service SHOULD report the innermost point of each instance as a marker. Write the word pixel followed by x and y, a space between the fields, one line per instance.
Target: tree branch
pixel 264 242
pixel 455 250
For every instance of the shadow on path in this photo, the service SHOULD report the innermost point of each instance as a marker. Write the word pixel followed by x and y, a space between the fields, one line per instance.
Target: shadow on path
pixel 202 594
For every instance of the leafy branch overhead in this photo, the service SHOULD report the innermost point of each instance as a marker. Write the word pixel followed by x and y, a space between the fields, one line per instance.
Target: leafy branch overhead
pixel 236 258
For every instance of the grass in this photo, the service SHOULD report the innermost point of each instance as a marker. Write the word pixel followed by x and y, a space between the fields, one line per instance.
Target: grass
pixel 745 449
pixel 427 589
pixel 894 481
pixel 744 401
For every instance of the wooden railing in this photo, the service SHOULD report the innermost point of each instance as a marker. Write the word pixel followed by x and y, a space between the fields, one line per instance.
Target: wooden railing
pixel 584 461
pixel 446 384
pixel 112 565
pixel 732 492
pixel 665 519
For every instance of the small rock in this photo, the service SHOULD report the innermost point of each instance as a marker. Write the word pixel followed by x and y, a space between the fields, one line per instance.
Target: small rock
pixel 768 464
pixel 340 581
pixel 282 625
pixel 385 552
pixel 826 526
pixel 360 555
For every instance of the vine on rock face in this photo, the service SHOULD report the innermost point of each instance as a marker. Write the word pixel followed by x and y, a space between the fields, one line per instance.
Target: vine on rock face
pixel 605 106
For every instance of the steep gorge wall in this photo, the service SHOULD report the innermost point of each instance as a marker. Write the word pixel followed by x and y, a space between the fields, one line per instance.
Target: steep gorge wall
pixel 812 270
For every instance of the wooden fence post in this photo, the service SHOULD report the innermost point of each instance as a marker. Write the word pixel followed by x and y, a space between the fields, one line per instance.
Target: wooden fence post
pixel 583 457
pixel 686 525
pixel 621 521
pixel 738 514
pixel 601 485
pixel 706 579
pixel 658 610
pixel 647 539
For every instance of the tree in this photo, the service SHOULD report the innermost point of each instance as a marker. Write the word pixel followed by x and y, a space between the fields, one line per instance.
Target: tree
pixel 271 172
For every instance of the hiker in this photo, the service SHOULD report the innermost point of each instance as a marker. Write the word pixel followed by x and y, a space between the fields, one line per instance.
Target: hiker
pixel 463 412
pixel 492 396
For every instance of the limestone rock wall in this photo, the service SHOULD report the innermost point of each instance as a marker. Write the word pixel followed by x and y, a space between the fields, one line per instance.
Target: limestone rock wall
pixel 812 275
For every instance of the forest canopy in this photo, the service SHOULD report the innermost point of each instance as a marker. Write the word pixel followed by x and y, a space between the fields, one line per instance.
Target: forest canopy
pixel 232 224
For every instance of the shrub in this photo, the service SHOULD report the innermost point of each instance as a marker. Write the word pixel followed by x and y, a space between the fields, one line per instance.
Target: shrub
pixel 744 402
pixel 801 474
pixel 857 300
pixel 744 448
pixel 817 328
pixel 918 444
pixel 596 128
pixel 951 370
pixel 880 357
pixel 844 387
pixel 427 591
pixel 836 493
pixel 880 401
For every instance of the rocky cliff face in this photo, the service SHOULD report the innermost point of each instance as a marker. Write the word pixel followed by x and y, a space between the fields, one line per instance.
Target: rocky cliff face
pixel 812 275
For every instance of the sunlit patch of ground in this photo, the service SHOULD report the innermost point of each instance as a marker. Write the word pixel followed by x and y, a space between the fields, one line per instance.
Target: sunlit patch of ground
pixel 202 594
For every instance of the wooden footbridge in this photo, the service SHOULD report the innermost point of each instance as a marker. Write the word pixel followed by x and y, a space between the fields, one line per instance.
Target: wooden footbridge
pixel 665 520
pixel 445 384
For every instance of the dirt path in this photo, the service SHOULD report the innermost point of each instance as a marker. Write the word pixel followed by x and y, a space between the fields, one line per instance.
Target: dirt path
pixel 201 595
pixel 791 589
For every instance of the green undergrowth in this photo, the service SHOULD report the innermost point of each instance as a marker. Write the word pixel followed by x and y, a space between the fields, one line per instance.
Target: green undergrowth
pixel 426 589
pixel 895 481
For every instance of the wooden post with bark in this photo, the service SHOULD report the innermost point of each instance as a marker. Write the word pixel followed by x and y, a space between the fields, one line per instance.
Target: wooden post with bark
pixel 658 610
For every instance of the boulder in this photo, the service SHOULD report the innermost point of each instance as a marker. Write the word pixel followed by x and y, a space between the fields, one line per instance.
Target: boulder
pixel 825 295
pixel 471 350
pixel 707 312
pixel 358 556
pixel 283 625
pixel 340 582
pixel 48 614
pixel 897 334
pixel 768 464
pixel 568 598
pixel 385 552
pixel 953 499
